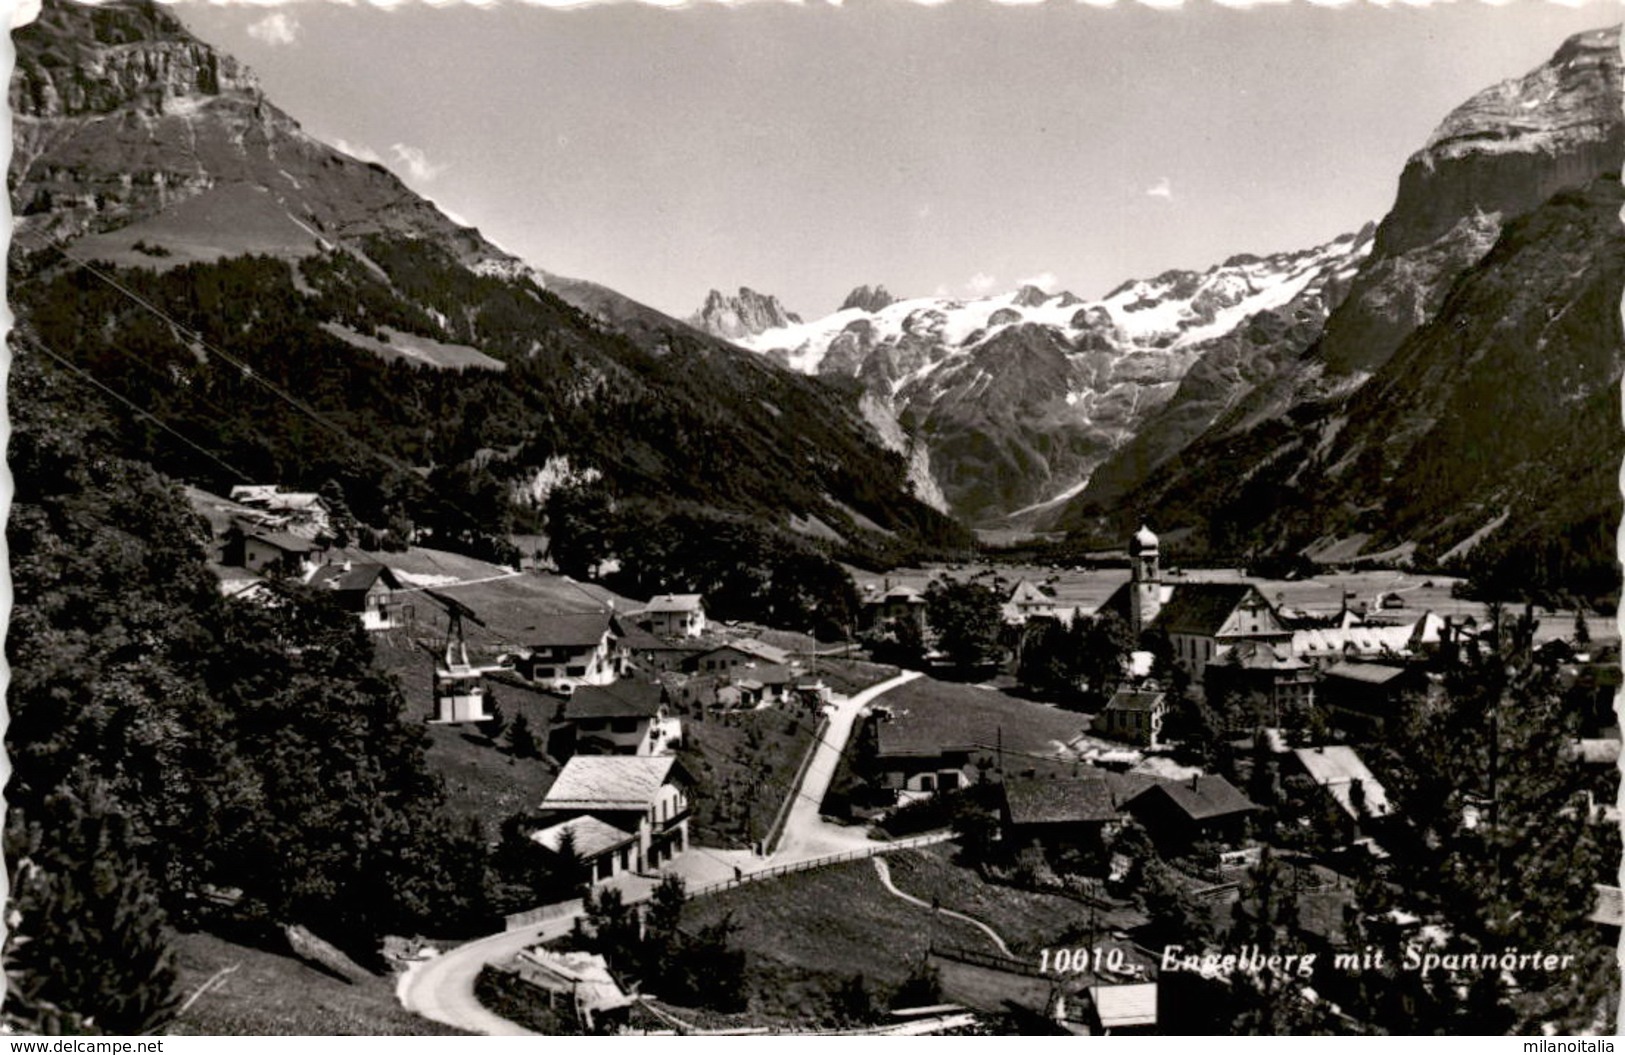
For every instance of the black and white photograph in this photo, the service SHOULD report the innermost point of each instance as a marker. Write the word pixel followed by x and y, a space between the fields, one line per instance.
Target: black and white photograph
pixel 814 517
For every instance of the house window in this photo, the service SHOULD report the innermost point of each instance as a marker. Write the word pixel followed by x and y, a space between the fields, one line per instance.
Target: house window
pixel 949 781
pixel 606 866
pixel 624 725
pixel 928 782
pixel 575 672
pixel 626 858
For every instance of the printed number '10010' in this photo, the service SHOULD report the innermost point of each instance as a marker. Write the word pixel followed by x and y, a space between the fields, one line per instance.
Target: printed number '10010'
pixel 1079 960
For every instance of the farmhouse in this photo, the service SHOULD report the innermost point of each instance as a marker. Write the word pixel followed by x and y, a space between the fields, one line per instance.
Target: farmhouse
pixel 675 615
pixel 658 655
pixel 625 813
pixel 625 718
pixel 744 652
pixel 264 551
pixel 371 591
pixel 1059 814
pixel 565 652
pixel 1179 813
pixel 914 762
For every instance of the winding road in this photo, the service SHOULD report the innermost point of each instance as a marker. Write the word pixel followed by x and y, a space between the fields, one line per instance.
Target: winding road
pixel 442 988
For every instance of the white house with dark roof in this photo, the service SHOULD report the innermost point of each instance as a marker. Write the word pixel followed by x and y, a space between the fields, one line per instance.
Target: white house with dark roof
pixel 627 717
pixel 743 652
pixel 564 652
pixel 638 807
pixel 675 615
pixel 371 591
pixel 1132 716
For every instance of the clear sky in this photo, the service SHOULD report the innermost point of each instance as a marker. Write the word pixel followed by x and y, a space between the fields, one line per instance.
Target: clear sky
pixel 803 149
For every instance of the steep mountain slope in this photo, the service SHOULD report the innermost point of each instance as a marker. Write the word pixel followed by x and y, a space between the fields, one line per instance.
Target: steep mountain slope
pixel 1499 155
pixel 1488 431
pixel 148 152
pixel 1017 398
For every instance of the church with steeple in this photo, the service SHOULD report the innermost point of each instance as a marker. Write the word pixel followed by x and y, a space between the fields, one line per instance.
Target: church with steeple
pixel 1202 619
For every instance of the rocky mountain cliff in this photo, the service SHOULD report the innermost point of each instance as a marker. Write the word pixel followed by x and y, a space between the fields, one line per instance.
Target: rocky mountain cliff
pixel 743 315
pixel 420 344
pixel 1464 396
pixel 1016 399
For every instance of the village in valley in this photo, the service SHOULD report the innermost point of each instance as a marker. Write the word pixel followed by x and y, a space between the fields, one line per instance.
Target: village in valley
pixel 408 638
pixel 1010 796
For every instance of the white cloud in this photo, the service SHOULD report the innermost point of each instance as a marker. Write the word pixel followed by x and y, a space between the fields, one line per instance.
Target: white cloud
pixel 1044 280
pixel 1160 189
pixel 276 28
pixel 416 161
pixel 357 151
pixel 980 283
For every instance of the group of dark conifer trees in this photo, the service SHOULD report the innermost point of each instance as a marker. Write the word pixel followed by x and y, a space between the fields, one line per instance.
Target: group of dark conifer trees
pixel 172 752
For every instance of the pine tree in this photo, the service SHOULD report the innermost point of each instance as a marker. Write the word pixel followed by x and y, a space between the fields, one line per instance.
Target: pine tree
pixel 521 741
pixel 88 948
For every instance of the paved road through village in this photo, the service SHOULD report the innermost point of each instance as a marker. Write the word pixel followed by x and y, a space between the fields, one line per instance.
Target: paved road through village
pixel 442 988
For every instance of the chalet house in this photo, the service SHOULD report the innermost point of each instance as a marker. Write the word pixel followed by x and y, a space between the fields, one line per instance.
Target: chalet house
pixel 628 717
pixel 1132 716
pixel 1360 799
pixel 1364 699
pixel 657 655
pixel 1058 814
pixel 264 551
pixel 675 615
pixel 768 683
pixel 1271 672
pixel 1201 619
pixel 566 652
pixel 1029 600
pixel 1180 813
pixel 371 591
pixel 894 603
pixel 745 652
pixel 913 763
pixel 577 982
pixel 626 813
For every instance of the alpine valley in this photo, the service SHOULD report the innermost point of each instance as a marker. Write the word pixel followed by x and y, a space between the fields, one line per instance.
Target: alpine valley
pixel 1442 386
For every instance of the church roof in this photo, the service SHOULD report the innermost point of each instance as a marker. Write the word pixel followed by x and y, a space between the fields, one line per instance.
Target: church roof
pixel 1203 607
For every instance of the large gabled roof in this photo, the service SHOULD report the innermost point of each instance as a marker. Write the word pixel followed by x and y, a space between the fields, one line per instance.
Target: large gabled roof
pixel 755 649
pixel 1060 801
pixel 674 602
pixel 1336 768
pixel 354 577
pixel 1133 700
pixel 1204 797
pixel 612 782
pixel 1204 607
pixel 1366 673
pixel 579 630
pixel 592 836
pixel 627 698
